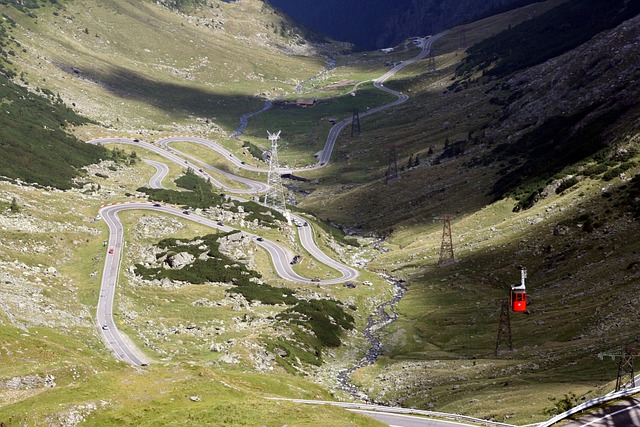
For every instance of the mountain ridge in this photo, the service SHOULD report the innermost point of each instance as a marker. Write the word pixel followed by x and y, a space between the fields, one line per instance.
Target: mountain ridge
pixel 378 24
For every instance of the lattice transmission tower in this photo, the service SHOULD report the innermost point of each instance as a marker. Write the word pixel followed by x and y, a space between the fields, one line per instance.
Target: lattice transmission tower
pixel 626 375
pixel 274 197
pixel 446 247
pixel 355 123
pixel 392 170
pixel 432 67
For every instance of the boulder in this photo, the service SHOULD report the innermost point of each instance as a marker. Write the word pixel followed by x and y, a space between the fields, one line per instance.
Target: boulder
pixel 179 260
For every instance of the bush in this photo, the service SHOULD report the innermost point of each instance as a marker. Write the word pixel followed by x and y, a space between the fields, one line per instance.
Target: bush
pixel 201 193
pixel 567 183
pixel 253 149
pixel 562 405
pixel 215 268
pixel 325 318
pixel 612 174
pixel 35 145
pixel 596 169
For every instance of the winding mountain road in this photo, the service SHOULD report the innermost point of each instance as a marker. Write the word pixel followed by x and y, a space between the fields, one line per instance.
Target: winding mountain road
pixel 162 170
pixel 280 256
pixel 251 186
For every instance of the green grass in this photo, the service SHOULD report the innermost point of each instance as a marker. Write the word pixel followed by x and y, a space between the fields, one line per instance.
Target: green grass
pixel 161 396
pixel 168 69
pixel 326 319
pixel 304 130
pixel 200 195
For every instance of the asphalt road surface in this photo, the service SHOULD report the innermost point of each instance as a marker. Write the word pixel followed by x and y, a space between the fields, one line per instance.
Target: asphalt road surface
pixel 161 172
pixel 622 414
pixel 249 186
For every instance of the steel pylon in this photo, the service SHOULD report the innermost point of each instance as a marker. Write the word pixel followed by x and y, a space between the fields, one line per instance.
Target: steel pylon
pixel 274 197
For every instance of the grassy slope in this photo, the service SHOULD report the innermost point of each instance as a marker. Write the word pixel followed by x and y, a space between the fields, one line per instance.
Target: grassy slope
pixel 34 140
pixel 164 68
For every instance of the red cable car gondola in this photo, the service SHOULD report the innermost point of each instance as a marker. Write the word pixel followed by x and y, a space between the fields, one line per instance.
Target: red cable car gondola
pixel 519 294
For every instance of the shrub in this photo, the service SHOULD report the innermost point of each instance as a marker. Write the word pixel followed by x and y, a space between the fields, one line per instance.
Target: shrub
pixel 612 173
pixel 215 268
pixel 35 145
pixel 567 183
pixel 595 169
pixel 325 318
pixel 253 149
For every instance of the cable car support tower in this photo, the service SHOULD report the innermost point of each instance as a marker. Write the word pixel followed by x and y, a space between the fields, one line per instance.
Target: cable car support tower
pixel 504 327
pixel 274 197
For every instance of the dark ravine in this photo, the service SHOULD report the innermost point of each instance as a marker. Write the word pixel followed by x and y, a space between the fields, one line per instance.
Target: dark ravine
pixel 375 24
pixel 375 325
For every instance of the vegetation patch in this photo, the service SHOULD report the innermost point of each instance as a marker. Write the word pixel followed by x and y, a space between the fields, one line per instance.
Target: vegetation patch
pixel 257 211
pixel 209 265
pixel 566 184
pixel 546 152
pixel 586 221
pixel 315 323
pixel 632 196
pixel 546 36
pixel 184 5
pixel 325 318
pixel 35 146
pixel 201 195
pixel 253 149
pixel 336 233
